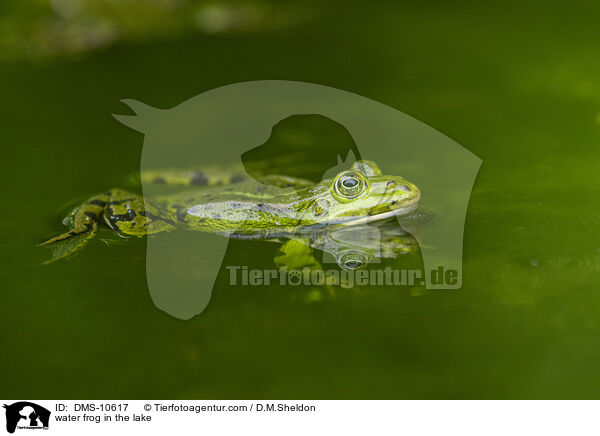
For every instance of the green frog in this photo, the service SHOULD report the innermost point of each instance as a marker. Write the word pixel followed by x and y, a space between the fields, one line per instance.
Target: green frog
pixel 227 201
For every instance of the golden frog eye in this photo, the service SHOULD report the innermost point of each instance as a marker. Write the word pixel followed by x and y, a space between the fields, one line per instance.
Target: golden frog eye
pixel 350 185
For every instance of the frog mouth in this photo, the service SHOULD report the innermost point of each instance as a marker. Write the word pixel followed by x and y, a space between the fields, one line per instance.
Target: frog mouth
pixel 392 208
pixel 381 216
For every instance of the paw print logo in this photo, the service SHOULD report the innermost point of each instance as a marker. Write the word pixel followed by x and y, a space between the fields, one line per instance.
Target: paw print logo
pixel 294 277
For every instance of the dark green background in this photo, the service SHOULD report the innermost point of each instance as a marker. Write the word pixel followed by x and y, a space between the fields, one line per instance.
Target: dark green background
pixel 517 83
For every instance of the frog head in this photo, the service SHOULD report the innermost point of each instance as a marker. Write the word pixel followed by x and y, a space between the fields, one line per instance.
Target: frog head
pixel 360 194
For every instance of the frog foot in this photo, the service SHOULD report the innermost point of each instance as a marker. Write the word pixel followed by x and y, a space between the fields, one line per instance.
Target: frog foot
pixel 83 224
pixel 67 244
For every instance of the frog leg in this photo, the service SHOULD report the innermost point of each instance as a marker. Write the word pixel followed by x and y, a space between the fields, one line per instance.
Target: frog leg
pixel 123 211
pixel 129 215
pixel 83 219
pixel 82 223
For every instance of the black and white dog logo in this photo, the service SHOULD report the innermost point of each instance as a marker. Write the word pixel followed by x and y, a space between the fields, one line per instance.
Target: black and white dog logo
pixel 26 415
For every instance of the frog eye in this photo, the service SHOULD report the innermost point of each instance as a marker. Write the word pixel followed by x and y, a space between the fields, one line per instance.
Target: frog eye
pixel 353 264
pixel 352 261
pixel 350 185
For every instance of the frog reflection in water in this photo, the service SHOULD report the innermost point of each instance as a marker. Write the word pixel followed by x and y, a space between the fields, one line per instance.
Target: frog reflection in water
pixel 272 207
pixel 351 247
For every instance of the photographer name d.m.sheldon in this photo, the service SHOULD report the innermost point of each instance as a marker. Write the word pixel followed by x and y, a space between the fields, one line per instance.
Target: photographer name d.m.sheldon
pixel 282 407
